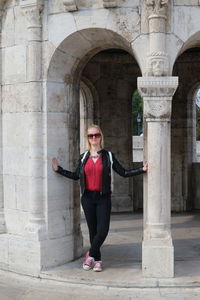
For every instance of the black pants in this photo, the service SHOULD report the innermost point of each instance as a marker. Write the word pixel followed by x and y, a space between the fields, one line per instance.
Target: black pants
pixel 97 209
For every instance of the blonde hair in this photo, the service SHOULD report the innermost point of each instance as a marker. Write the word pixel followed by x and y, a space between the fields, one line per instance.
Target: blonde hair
pixel 100 131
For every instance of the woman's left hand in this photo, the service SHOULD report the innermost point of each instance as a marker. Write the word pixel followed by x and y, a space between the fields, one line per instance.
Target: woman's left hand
pixel 145 167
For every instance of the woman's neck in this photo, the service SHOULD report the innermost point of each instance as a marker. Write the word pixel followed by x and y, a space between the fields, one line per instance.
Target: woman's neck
pixel 95 149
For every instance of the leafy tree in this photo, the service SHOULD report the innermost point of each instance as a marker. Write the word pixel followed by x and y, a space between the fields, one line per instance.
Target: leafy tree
pixel 137 113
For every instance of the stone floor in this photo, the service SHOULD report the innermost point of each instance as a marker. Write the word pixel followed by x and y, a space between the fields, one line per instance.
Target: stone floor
pixel 122 275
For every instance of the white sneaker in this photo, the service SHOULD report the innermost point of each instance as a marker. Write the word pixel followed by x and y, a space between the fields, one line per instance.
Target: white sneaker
pixel 89 262
pixel 98 267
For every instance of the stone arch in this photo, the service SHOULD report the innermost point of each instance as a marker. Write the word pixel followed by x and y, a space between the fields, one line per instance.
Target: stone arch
pixel 192 41
pixel 191 108
pixel 183 147
pixel 88 95
pixel 63 121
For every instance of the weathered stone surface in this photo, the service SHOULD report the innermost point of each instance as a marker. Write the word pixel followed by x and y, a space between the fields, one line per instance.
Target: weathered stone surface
pixel 109 3
pixel 59 27
pixel 186 2
pixel 16 98
pixel 55 6
pixel 70 5
pixel 15 55
pixel 8 29
pixel 185 25
pixel 118 21
pixel 97 19
pixel 20 31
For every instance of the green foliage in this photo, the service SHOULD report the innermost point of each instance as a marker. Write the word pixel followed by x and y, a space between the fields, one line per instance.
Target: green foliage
pixel 137 111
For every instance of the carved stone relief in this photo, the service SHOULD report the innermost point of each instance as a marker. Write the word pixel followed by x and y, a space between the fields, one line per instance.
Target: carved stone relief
pixel 157 7
pixel 109 3
pixel 157 108
pixel 157 64
pixel 32 11
pixel 157 95
pixel 70 5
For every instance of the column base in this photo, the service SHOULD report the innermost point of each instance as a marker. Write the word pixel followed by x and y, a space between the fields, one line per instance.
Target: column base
pixel 158 258
pixel 29 257
pixel 36 230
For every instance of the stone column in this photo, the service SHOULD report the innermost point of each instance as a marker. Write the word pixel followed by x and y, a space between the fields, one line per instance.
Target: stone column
pixel 157 59
pixel 157 248
pixel 2 219
pixel 36 225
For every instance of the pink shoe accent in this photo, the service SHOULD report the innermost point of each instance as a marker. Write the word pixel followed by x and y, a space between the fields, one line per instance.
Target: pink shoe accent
pixel 88 262
pixel 98 267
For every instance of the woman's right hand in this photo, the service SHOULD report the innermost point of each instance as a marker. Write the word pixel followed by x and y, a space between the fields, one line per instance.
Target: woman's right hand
pixel 54 164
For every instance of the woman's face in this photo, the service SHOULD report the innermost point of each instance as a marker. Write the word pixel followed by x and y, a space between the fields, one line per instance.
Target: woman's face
pixel 94 137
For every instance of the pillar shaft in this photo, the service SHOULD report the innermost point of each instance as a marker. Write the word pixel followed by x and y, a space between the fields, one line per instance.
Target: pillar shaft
pixel 157 250
pixel 2 218
pixel 36 225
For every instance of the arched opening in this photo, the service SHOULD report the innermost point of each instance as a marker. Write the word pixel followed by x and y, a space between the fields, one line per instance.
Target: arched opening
pixel 137 145
pixel 87 98
pixel 184 131
pixel 196 101
pixel 185 170
pixel 113 74
pixel 93 82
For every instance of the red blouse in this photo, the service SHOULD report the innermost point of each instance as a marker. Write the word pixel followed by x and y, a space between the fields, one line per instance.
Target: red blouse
pixel 93 174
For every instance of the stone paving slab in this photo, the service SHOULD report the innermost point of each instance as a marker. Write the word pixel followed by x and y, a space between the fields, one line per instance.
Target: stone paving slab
pixel 122 255
pixel 122 276
pixel 19 287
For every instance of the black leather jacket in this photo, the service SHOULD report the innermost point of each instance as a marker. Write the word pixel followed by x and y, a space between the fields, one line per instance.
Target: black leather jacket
pixel 106 174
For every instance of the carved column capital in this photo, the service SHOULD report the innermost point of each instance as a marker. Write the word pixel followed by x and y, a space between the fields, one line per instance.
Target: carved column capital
pixel 109 3
pixel 157 93
pixel 32 10
pixel 157 7
pixel 70 5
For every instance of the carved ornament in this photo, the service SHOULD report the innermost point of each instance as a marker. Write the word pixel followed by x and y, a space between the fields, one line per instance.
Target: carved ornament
pixel 109 3
pixel 157 109
pixel 32 10
pixel 157 93
pixel 157 7
pixel 157 86
pixel 157 64
pixel 2 2
pixel 70 5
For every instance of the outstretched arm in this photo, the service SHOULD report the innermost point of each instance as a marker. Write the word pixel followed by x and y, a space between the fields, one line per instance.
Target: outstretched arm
pixel 117 167
pixel 66 173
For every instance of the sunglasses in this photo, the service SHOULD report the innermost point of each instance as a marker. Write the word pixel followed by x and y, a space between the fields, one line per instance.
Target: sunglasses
pixel 96 135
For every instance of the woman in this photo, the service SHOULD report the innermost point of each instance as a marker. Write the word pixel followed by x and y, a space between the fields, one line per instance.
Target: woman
pixel 94 172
